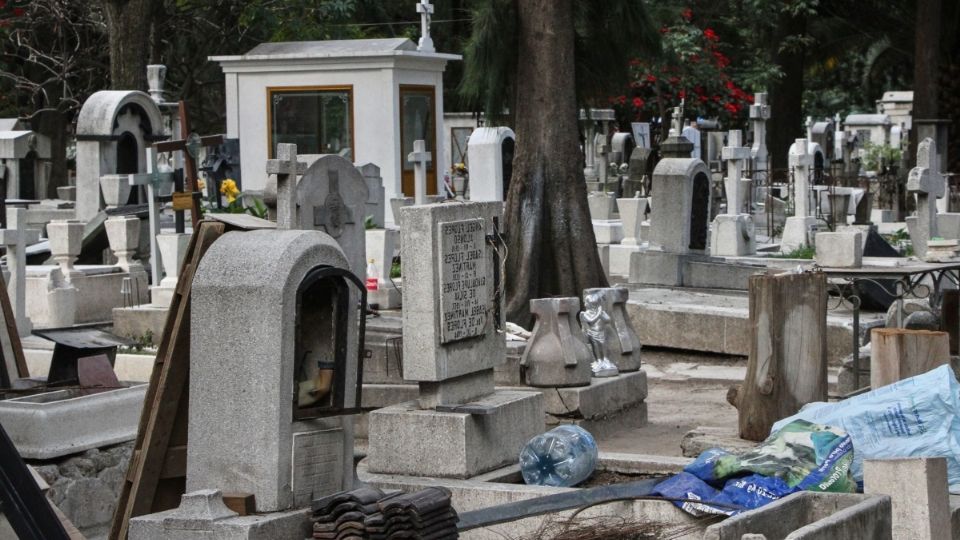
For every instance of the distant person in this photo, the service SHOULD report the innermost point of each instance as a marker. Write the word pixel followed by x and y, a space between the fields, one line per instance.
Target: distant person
pixel 692 134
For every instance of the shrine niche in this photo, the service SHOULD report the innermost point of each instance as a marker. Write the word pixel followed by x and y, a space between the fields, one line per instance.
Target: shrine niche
pixel 114 129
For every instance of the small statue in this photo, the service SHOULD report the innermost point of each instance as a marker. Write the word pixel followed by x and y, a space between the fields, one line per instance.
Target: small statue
pixel 598 327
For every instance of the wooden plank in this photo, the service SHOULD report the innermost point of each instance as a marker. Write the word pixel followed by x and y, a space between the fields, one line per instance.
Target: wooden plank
pixel 10 338
pixel 244 504
pixel 163 420
pixel 898 353
pixel 787 367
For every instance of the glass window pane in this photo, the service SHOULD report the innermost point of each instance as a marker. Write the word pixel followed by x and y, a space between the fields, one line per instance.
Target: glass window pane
pixel 416 123
pixel 317 121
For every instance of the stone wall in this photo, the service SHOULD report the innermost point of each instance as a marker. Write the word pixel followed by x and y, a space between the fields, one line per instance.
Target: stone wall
pixel 86 486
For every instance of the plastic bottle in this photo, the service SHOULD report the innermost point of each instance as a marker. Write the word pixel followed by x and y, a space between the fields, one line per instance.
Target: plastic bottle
pixel 373 276
pixel 562 457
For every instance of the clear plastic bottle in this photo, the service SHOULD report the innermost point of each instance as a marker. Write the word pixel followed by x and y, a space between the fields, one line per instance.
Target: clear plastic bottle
pixel 373 276
pixel 562 457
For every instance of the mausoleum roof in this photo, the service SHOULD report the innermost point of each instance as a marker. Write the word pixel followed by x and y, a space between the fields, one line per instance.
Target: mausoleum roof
pixel 867 120
pixel 340 48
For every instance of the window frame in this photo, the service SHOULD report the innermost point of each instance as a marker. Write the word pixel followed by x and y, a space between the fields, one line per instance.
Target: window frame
pixel 271 90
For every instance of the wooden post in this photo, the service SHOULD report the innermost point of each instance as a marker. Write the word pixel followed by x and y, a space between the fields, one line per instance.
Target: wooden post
pixel 897 353
pixel 788 350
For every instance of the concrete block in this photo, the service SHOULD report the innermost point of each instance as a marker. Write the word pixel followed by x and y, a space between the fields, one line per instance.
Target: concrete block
pixel 407 440
pixel 797 232
pixel 655 267
pixel 62 422
pixel 732 235
pixel 918 492
pixel 457 390
pixel 839 249
pixel 136 322
pixel 609 231
pixel 619 258
pixel 878 215
pixel 948 225
pixel 604 397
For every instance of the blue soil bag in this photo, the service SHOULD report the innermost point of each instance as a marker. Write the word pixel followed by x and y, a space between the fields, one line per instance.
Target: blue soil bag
pixel 801 456
pixel 916 417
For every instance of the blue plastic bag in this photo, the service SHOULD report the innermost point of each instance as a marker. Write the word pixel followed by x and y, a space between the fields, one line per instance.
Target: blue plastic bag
pixel 916 417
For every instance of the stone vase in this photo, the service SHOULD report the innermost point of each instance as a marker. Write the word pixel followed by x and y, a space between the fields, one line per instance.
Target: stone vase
pixel 626 348
pixel 557 353
pixel 632 211
pixel 602 205
pixel 123 233
pixel 173 249
pixel 66 241
pixel 115 189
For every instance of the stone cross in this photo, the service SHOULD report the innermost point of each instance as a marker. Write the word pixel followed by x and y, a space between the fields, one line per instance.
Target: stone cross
pixel 425 9
pixel 420 157
pixel 676 123
pixel 801 160
pixel 155 181
pixel 759 114
pixel 735 155
pixel 286 167
pixel 926 182
pixel 603 150
pixel 16 237
pixel 334 213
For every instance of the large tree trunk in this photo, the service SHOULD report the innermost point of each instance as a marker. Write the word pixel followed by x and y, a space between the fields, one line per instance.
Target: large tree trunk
pixel 552 249
pixel 786 95
pixel 129 23
pixel 926 68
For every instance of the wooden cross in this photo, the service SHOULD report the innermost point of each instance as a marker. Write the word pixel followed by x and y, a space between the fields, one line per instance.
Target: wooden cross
pixel 334 214
pixel 286 167
pixel 155 181
pixel 420 157
pixel 190 144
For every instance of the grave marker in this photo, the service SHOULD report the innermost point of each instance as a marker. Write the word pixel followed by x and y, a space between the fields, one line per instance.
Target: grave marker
pixel 463 281
pixel 17 237
pixel 926 182
pixel 155 181
pixel 420 158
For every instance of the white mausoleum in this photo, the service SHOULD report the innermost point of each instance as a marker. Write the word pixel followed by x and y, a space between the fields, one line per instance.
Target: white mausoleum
pixel 367 100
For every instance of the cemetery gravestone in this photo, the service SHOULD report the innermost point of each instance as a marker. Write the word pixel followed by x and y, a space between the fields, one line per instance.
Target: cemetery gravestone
pixel 799 227
pixel 733 232
pixel 490 155
pixel 452 339
pixel 926 182
pixel 759 114
pixel 17 237
pixel 376 203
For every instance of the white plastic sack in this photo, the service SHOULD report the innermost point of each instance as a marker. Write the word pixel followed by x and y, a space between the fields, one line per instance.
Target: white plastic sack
pixel 916 417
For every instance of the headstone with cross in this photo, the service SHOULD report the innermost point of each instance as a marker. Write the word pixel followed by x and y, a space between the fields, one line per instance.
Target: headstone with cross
pixel 425 9
pixel 156 182
pixel 736 156
pixel 801 225
pixel 759 114
pixel 17 237
pixel 926 182
pixel 603 153
pixel 287 168
pixel 332 197
pixel 190 145
pixel 420 158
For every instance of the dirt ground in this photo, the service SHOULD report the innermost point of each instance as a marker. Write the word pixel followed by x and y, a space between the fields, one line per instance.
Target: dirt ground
pixel 674 408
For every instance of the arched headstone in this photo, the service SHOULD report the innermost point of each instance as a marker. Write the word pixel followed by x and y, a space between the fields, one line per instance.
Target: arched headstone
pixel 114 128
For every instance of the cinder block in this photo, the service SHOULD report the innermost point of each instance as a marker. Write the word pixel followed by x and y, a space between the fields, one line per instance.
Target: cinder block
pixel 918 491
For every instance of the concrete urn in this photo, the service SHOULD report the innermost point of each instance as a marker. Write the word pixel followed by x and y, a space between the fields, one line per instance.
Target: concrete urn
pixel 557 353
pixel 123 233
pixel 115 188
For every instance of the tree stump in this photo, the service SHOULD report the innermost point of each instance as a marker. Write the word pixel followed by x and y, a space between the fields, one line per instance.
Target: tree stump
pixel 897 353
pixel 788 350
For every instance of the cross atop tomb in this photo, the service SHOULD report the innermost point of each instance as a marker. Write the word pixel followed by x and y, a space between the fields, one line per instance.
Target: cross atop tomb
pixel 425 9
pixel 926 182
pixel 286 167
pixel 676 123
pixel 801 160
pixel 759 114
pixel 735 155
pixel 420 157
pixel 334 213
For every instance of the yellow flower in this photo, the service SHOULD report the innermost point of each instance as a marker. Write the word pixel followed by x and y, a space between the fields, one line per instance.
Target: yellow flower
pixel 201 184
pixel 229 188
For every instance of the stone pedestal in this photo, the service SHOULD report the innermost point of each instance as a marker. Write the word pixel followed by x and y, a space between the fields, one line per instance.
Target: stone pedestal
pixel 632 211
pixel 123 233
pixel 605 406
pixel 459 426
pixel 115 189
pixel 609 231
pixel 602 205
pixel 173 249
pixel 839 249
pixel 557 354
pixel 66 241
pixel 796 233
pixel 732 235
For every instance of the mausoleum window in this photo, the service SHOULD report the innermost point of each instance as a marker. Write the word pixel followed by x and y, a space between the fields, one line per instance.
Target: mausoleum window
pixel 319 120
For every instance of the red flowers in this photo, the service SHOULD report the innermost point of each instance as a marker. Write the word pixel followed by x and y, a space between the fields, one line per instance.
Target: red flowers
pixel 687 14
pixel 638 102
pixel 651 78
pixel 710 34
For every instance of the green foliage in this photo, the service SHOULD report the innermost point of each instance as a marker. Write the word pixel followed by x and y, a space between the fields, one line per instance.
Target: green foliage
pixel 803 252
pixel 368 223
pixel 395 270
pixel 878 156
pixel 244 203
pixel 141 344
